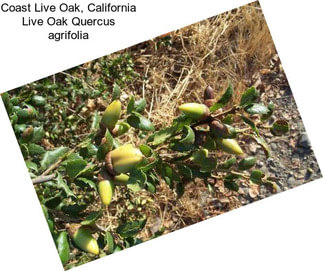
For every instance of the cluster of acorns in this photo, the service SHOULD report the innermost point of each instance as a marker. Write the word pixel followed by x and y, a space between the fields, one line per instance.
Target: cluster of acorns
pixel 122 159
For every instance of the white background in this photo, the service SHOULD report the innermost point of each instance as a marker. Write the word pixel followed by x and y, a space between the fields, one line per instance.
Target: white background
pixel 283 232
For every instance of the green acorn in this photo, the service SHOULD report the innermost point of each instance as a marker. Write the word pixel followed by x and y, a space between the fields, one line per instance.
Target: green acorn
pixel 195 111
pixel 83 239
pixel 121 128
pixel 228 145
pixel 105 188
pixel 121 179
pixel 123 159
pixel 111 115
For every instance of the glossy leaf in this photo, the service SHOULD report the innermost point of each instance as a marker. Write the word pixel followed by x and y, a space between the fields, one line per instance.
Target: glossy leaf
pixel 256 176
pixel 250 123
pixel 161 136
pixel 231 185
pixel 63 185
pixel 140 122
pixel 91 218
pixel 116 91
pixel 84 182
pixel 228 163
pixel 52 157
pixel 247 163
pixel 249 96
pixel 74 167
pixel 188 135
pixel 270 107
pixel 259 109
pixel 226 97
pixel 131 228
pixel 140 105
pixel 110 242
pixel 35 149
pixel 63 247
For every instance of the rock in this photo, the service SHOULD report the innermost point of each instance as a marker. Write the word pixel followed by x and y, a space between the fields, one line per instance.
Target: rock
pixel 304 141
pixel 253 148
pixel 273 146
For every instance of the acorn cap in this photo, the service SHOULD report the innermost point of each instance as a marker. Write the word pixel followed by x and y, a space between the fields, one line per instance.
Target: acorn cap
pixel 111 115
pixel 218 129
pixel 195 111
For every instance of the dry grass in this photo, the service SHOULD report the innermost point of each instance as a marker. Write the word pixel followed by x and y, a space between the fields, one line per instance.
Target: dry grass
pixel 228 48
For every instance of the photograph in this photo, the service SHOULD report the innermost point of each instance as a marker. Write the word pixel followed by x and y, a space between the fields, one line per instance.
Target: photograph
pixel 169 132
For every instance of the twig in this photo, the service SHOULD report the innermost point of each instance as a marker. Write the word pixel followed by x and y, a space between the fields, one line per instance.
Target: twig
pixel 43 179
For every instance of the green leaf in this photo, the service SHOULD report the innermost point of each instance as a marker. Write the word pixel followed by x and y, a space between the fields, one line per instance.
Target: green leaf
pixel 279 127
pixel 74 167
pixel 177 146
pixel 116 91
pixel 271 108
pixel 161 136
pixel 223 100
pixel 208 164
pixel 38 100
pixel 253 109
pixel 131 105
pixel 140 105
pixel 91 218
pixel 247 163
pixel 110 241
pixel 137 180
pixel 231 185
pixel 228 163
pixel 209 144
pixel 38 134
pixel 140 122
pixel 6 101
pixel 146 150
pixel 256 176
pixel 95 121
pixel 250 123
pixel 52 157
pixel 131 228
pixel 35 149
pixel 185 171
pixel 228 119
pixel 231 176
pixel 31 165
pixel 249 96
pixel 63 247
pixel 85 182
pixel 188 136
pixel 62 184
pixel 263 144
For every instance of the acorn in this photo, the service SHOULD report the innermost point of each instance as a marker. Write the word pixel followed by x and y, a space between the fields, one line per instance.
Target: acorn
pixel 228 145
pixel 121 179
pixel 105 188
pixel 111 115
pixel 195 111
pixel 123 159
pixel 218 129
pixel 121 128
pixel 83 239
pixel 209 97
pixel 209 93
